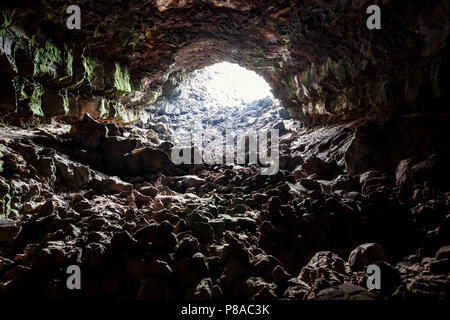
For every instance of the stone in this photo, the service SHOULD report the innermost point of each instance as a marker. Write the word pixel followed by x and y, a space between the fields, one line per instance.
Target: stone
pixel 317 166
pixel 365 255
pixel 426 171
pixel 88 132
pixel 324 263
pixel 160 268
pixel 359 154
pixel 53 105
pixel 345 291
pixel 193 182
pixel 274 205
pixel 390 277
pixel 233 269
pixel 161 236
pixel 201 291
pixel 9 231
pixel 265 294
pixel 252 286
pixel 280 276
pixel 5 264
pixel 345 182
pixel 297 292
pixel 187 247
pixel 441 266
pixel 146 160
pixel 403 174
pixel 443 253
pixel 116 148
pixel 265 263
pixel 204 232
pixel 107 184
pixel 310 184
pixel 149 191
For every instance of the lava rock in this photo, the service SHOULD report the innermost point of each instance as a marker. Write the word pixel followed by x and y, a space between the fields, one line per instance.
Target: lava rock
pixel 324 263
pixel 345 291
pixel 310 184
pixel 146 160
pixel 9 231
pixel 365 255
pixel 88 132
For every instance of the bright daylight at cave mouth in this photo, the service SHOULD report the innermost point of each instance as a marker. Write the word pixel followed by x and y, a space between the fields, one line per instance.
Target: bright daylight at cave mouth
pixel 220 97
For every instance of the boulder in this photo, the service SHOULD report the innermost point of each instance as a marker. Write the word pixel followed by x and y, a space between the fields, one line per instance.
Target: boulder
pixel 201 291
pixel 316 166
pixel 116 148
pixel 403 172
pixel 360 154
pixel 88 132
pixel 365 255
pixel 53 104
pixel 8 231
pixel 346 183
pixel 146 160
pixel 107 184
pixel 310 184
pixel 443 253
pixel 324 263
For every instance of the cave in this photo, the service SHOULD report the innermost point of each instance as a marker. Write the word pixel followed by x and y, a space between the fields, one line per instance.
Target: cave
pixel 223 150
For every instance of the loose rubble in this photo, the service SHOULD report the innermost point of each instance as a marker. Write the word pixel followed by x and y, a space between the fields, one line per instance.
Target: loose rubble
pixel 143 228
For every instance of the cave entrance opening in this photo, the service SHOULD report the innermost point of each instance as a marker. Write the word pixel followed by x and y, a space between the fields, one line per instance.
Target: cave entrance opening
pixel 222 97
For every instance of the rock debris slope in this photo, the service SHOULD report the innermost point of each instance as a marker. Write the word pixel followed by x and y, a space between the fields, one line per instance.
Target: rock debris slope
pixel 141 228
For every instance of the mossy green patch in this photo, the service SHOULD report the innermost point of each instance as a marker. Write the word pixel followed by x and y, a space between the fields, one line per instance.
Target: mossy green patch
pixel 36 101
pixel 118 111
pixel 69 61
pixel 89 67
pixel 46 60
pixel 72 105
pixel 122 79
pixel 104 109
pixel 65 98
pixel 7 21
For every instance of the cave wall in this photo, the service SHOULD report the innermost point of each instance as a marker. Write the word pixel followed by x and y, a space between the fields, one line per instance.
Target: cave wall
pixel 318 56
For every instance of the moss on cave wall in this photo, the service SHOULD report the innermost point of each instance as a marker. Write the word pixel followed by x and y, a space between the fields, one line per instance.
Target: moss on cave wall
pixel 29 94
pixel 54 69
pixel 47 60
pixel 7 16
pixel 36 100
pixel 89 65
pixel 122 79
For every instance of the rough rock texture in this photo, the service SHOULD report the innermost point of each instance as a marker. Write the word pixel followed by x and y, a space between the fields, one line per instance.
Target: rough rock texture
pixel 320 58
pixel 162 231
pixel 86 176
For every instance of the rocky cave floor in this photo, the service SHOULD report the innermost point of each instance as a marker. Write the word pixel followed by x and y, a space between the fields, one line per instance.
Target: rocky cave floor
pixel 346 196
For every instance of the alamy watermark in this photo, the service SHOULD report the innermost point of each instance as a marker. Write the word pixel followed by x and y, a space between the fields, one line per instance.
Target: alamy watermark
pixel 74 20
pixel 215 147
pixel 374 278
pixel 374 20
